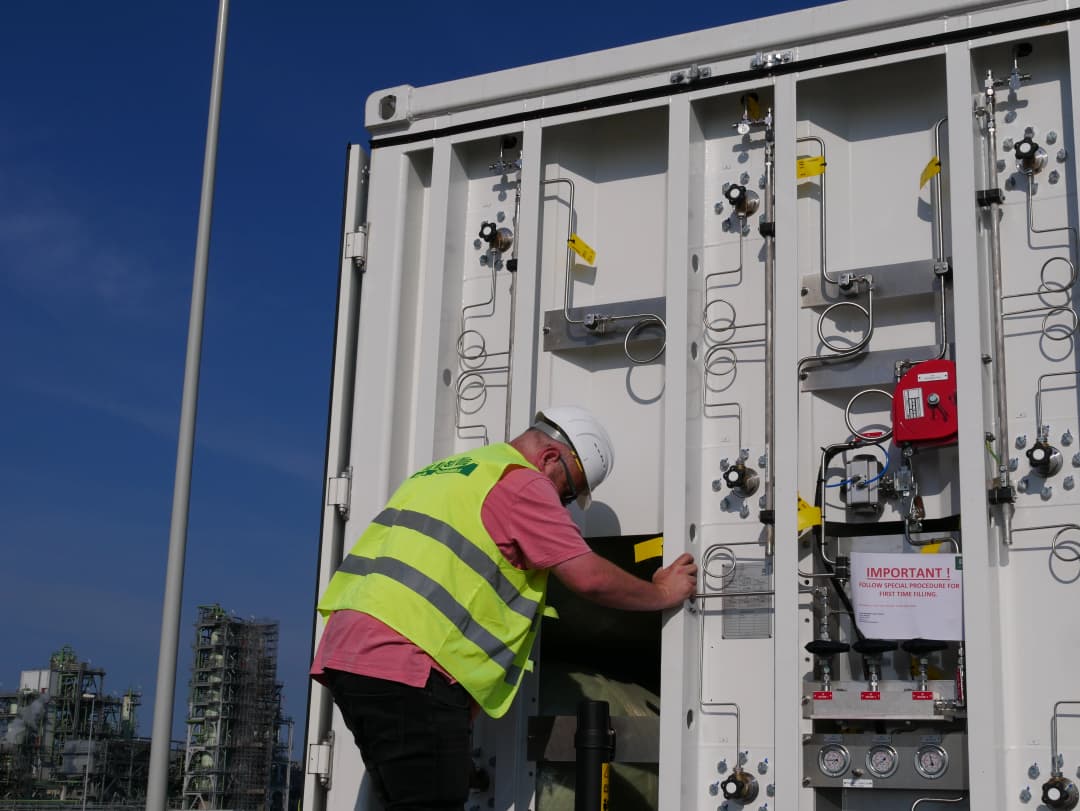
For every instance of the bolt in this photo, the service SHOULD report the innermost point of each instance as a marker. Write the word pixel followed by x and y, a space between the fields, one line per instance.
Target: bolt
pixel 1001 165
pixel 714 788
pixel 1068 483
pixel 1025 795
pixel 1046 494
pixel 726 225
pixel 762 501
pixel 726 503
pixel 743 756
pixel 1033 771
pixel 1053 177
pixel 763 807
pixel 744 178
pixel 721 766
pixel 763 461
pixel 483 259
pixel 761 182
pixel 986 359
pixel 1067 437
pixel 746 230
pixel 1051 137
pixel 744 511
pixel 1014 463
pixel 1062 155
pixel 725 463
pixel 1007 145
pixel 806 781
pixel 1010 183
pixel 933 399
pixel 1076 460
pixel 770 790
pixel 1022 485
pixel 763 767
pixel 744 454
pixel 1029 132
pixel 718 207
pixel 1021 441
pixel 717 485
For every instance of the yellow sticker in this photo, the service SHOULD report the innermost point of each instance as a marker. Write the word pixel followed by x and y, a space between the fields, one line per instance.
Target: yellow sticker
pixel 578 246
pixel 753 108
pixel 652 548
pixel 930 549
pixel 807 516
pixel 809 167
pixel 932 168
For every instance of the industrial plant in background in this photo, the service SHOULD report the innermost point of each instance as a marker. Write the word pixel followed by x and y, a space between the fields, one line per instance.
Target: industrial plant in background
pixel 238 738
pixel 66 744
pixel 64 741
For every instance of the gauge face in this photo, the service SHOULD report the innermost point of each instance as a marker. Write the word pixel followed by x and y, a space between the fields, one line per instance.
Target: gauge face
pixel 931 761
pixel 882 760
pixel 833 760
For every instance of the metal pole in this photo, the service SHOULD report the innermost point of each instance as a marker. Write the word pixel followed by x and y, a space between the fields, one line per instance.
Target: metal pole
pixel 89 750
pixel 157 784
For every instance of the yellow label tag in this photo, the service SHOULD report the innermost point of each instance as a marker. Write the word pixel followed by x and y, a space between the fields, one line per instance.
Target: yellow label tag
pixel 807 516
pixel 932 168
pixel 605 787
pixel 809 167
pixel 930 549
pixel 652 548
pixel 578 246
pixel 753 109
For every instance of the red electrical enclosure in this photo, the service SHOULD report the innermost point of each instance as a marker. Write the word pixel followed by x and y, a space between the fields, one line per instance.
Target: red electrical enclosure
pixel 924 405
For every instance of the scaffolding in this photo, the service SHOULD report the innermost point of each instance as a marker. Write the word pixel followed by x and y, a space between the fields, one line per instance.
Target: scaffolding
pixel 236 751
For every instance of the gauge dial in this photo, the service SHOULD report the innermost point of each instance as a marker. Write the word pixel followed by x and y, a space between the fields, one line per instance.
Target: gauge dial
pixel 931 761
pixel 833 760
pixel 882 760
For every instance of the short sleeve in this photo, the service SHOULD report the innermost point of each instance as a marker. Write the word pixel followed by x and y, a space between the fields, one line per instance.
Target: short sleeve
pixel 524 517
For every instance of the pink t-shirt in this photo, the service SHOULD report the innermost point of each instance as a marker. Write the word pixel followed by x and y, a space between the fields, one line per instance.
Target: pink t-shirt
pixel 532 529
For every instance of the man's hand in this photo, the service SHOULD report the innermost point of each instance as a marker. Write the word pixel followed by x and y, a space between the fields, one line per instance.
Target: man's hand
pixel 678 581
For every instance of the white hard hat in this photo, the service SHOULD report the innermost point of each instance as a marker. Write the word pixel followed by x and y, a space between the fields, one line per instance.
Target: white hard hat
pixel 580 430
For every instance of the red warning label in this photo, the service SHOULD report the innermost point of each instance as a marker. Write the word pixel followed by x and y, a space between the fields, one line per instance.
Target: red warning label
pixel 823 695
pixel 870 695
pixel 922 695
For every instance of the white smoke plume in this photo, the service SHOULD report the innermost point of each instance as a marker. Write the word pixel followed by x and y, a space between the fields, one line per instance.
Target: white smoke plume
pixel 27 718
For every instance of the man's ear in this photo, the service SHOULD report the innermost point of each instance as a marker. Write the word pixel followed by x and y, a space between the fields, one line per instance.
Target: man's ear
pixel 548 455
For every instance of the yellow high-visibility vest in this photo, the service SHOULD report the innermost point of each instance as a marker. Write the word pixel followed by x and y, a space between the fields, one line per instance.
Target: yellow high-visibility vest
pixel 428 568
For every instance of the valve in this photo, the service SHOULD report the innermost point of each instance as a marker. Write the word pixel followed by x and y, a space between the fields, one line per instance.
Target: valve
pixel 1060 792
pixel 742 480
pixel 499 239
pixel 1045 459
pixel 744 202
pixel 740 786
pixel 1030 157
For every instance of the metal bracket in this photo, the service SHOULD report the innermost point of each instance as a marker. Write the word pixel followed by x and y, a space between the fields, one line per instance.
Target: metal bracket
pixel 690 75
pixel 765 60
pixel 590 327
pixel 356 246
pixel 338 490
pixel 320 758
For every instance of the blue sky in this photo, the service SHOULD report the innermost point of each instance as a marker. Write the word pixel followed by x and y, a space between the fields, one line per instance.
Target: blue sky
pixel 102 129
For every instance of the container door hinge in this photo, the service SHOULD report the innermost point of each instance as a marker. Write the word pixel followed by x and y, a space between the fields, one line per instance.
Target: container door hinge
pixel 319 758
pixel 338 489
pixel 356 247
pixel 766 60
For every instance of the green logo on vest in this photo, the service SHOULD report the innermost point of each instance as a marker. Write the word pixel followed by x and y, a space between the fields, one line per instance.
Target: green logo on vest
pixel 460 464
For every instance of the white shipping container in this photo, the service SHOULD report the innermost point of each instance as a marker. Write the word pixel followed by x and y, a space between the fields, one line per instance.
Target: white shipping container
pixel 831 326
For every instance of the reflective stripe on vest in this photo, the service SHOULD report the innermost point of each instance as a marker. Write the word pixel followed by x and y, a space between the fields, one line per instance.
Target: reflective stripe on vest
pixel 441 599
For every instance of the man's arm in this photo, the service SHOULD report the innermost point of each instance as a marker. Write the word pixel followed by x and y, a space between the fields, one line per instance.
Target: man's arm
pixel 601 581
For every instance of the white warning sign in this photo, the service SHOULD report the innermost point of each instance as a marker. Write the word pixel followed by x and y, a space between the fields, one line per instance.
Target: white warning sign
pixel 913 407
pixel 899 596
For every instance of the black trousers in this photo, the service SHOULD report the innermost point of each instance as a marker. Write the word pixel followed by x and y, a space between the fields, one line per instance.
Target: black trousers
pixel 414 740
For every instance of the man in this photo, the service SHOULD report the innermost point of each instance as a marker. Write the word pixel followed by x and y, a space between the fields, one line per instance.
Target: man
pixel 435 609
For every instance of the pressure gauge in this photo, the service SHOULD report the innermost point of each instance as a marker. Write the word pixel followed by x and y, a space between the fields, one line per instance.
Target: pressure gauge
pixel 882 760
pixel 931 761
pixel 833 760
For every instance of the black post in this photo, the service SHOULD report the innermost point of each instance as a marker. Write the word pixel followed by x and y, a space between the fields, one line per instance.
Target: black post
pixel 595 745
